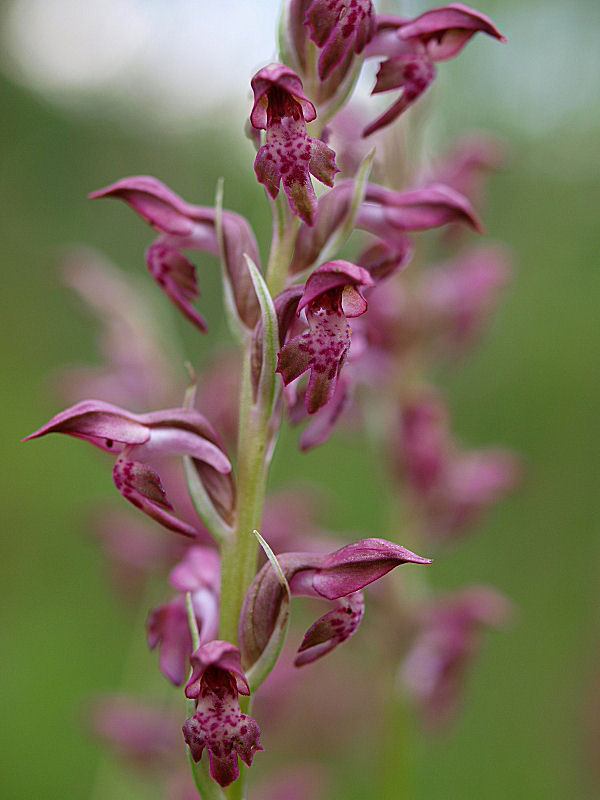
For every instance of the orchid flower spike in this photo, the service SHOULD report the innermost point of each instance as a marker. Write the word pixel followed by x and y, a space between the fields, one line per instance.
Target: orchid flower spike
pixel 336 576
pixel 289 154
pixel 185 226
pixel 218 724
pixel 331 295
pixel 139 437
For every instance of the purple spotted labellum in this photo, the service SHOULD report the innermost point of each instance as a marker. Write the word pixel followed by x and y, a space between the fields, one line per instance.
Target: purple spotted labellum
pixel 218 724
pixel 413 46
pixel 140 437
pixel 335 576
pixel 434 669
pixel 338 27
pixel 289 154
pixel 185 226
pixel 331 295
pixel 168 625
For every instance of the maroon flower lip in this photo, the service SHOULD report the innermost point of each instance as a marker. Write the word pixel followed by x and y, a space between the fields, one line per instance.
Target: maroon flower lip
pixel 218 724
pixel 289 154
pixel 330 297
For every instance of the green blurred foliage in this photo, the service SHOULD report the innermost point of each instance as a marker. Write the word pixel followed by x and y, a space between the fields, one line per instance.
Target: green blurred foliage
pixel 533 385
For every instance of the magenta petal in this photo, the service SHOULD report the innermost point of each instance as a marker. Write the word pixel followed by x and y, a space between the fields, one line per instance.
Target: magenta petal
pixel 224 769
pixel 100 423
pixel 446 30
pixel 157 204
pixel 427 207
pixel 414 72
pixel 331 629
pixel 323 421
pixel 199 568
pixel 287 83
pixel 177 276
pixel 168 627
pixel 220 655
pixel 143 488
pixel 356 565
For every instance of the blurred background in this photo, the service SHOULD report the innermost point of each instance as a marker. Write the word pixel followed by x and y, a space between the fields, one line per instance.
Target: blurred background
pixel 92 92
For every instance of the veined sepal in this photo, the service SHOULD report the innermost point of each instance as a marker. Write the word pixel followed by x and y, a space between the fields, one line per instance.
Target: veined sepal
pixel 264 388
pixel 257 672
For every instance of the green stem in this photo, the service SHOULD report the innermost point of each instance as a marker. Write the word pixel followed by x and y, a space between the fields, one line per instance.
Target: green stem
pixel 239 552
pixel 285 227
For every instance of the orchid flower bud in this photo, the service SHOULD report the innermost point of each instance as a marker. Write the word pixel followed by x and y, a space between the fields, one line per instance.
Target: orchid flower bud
pixel 337 27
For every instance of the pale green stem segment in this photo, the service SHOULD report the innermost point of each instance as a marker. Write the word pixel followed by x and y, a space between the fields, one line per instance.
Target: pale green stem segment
pixel 239 552
pixel 285 228
pixel 207 787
